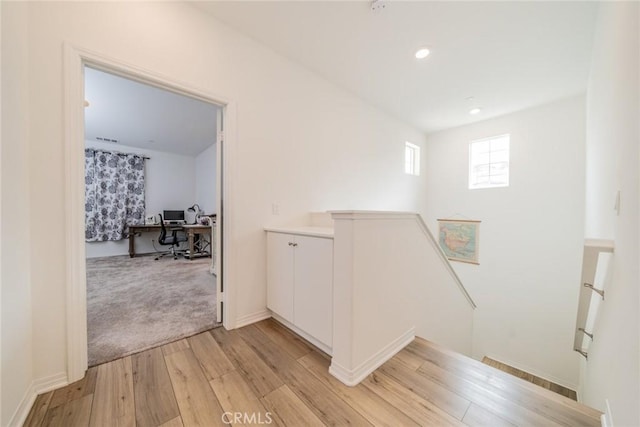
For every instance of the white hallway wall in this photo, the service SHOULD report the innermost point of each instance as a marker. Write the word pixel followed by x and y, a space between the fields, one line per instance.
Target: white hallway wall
pixel 300 141
pixel 530 237
pixel 170 183
pixel 612 371
pixel 16 310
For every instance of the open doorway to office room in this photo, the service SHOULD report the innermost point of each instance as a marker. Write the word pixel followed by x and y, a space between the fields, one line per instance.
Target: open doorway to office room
pixel 150 215
pixel 78 64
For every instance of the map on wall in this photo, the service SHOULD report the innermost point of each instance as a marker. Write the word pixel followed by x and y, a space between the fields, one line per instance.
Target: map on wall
pixel 459 239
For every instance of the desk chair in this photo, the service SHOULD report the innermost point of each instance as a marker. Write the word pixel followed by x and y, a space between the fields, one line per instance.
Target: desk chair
pixel 170 239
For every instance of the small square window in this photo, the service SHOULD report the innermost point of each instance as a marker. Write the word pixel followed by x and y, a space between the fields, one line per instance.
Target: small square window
pixel 489 162
pixel 411 159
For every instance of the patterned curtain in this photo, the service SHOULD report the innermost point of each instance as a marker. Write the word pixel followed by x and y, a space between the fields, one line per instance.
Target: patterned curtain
pixel 114 194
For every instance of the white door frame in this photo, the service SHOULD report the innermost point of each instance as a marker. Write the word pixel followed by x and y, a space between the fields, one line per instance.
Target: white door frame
pixel 75 60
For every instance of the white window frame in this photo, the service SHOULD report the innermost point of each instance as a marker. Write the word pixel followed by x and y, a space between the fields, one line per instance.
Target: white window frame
pixel 411 159
pixel 490 165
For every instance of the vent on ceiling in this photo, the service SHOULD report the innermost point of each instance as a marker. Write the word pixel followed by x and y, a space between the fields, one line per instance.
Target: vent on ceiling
pixel 377 5
pixel 100 138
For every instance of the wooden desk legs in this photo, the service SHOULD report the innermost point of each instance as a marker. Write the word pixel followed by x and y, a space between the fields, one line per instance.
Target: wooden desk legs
pixel 191 236
pixel 132 252
pixel 195 236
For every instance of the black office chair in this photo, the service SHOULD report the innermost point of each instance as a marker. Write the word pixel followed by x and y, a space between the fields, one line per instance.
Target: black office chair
pixel 172 239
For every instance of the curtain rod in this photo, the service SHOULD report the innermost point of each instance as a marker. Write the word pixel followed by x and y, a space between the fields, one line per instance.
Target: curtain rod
pixel 118 153
pixel 128 154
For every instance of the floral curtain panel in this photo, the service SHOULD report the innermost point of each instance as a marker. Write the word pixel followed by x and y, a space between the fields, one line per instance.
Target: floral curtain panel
pixel 114 194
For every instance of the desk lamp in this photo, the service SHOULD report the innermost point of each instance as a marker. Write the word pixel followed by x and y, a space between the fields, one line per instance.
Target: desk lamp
pixel 196 208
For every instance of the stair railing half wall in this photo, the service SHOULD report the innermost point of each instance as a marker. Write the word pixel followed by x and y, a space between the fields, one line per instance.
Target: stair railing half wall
pixel 391 282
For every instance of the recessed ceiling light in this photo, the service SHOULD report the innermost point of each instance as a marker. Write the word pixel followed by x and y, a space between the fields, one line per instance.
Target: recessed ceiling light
pixel 474 111
pixel 422 53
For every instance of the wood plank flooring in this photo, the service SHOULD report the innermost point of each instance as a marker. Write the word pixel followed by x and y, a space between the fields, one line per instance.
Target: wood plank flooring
pixel 265 374
pixel 571 394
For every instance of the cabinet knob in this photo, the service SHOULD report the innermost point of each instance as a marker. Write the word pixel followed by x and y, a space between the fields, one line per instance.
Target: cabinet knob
pixel 293 244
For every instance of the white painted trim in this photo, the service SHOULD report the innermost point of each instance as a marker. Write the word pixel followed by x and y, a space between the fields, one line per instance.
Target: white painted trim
pixel 535 372
pixel 312 231
pixel 384 215
pixel 1 198
pixel 606 419
pixel 74 61
pixel 219 220
pixel 604 245
pixel 352 377
pixel 252 318
pixel 37 387
pixel 77 357
pixel 370 215
pixel 22 411
pixel 228 191
pixel 51 382
pixel 322 346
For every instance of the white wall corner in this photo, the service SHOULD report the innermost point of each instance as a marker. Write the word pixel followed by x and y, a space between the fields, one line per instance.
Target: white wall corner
pixel 353 377
pixel 248 319
pixel 39 386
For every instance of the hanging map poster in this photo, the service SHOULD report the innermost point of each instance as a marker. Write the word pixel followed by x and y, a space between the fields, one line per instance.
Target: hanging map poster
pixel 459 239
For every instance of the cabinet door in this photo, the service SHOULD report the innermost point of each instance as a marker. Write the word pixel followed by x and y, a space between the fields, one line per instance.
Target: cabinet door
pixel 313 278
pixel 280 274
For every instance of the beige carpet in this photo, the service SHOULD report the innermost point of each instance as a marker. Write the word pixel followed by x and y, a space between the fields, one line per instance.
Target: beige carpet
pixel 134 304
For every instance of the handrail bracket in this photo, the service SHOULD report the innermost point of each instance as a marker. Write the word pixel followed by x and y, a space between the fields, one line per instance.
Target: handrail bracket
pixel 582 352
pixel 596 290
pixel 586 333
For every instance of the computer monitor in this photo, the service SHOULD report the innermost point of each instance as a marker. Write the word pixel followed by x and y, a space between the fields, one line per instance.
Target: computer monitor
pixel 173 215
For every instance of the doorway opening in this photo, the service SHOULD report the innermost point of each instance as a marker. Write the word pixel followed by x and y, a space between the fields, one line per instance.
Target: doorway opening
pixel 77 61
pixel 150 215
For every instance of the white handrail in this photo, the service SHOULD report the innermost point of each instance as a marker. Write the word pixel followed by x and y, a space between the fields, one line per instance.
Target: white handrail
pixel 444 258
pixel 585 317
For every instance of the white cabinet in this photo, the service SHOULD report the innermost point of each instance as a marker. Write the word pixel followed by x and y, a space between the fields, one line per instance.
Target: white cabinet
pixel 300 282
pixel 313 287
pixel 280 274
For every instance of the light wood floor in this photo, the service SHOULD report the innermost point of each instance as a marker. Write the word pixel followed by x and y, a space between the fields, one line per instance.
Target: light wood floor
pixel 556 388
pixel 264 373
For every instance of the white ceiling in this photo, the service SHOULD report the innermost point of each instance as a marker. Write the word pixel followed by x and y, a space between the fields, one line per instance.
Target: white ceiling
pixel 139 115
pixel 506 55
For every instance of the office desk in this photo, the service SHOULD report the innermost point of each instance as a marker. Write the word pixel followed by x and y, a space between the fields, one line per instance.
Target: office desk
pixel 137 229
pixel 191 229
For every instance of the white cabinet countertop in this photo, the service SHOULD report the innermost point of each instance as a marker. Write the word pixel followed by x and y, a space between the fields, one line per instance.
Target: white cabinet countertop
pixel 303 230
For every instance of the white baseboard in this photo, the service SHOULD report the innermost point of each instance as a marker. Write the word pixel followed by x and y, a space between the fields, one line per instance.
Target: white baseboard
pixel 37 387
pixel 352 377
pixel 252 318
pixel 606 419
pixel 535 372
